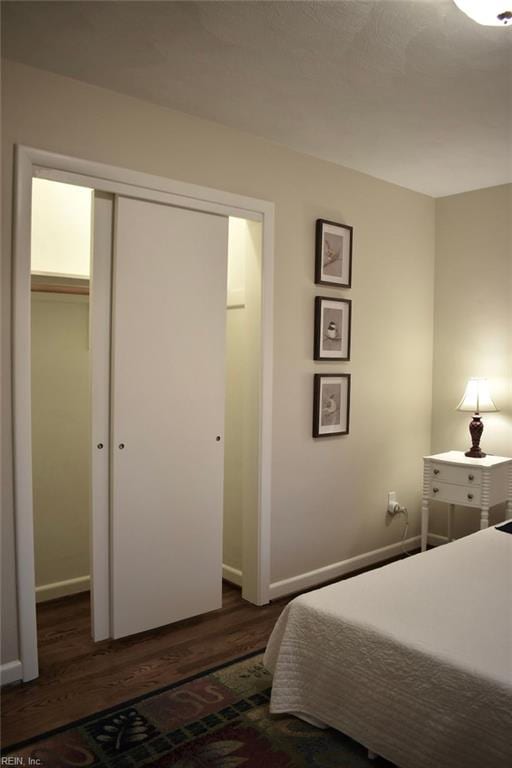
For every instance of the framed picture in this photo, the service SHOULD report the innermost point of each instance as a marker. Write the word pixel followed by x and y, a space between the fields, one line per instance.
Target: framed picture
pixel 332 328
pixel 331 404
pixel 333 257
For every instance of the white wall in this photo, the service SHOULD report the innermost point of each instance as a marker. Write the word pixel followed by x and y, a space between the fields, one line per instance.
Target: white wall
pixel 61 229
pixel 60 442
pixel 328 496
pixel 473 325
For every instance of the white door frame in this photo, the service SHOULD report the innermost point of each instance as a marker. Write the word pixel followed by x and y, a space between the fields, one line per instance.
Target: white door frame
pixel 29 163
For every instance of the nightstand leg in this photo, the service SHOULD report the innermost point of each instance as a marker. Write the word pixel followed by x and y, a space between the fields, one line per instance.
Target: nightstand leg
pixel 424 524
pixel 485 498
pixel 509 500
pixel 451 510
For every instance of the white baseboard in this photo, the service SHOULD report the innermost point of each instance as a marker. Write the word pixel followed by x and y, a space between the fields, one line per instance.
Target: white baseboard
pixel 329 572
pixel 11 672
pixel 232 575
pixel 434 539
pixel 62 588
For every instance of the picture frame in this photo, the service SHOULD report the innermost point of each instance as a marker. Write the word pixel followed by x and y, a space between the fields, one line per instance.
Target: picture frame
pixel 331 404
pixel 333 253
pixel 333 328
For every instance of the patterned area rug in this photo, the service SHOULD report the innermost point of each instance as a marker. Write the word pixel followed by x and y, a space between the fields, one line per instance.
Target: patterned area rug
pixel 219 719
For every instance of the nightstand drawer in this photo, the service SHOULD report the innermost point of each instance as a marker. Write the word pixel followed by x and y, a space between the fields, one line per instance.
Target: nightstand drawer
pixel 455 494
pixel 447 473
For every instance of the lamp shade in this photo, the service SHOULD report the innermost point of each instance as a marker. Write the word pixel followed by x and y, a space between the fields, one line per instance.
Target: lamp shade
pixel 477 397
pixel 490 13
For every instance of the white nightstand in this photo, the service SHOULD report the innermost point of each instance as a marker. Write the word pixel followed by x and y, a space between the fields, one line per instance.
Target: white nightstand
pixel 456 479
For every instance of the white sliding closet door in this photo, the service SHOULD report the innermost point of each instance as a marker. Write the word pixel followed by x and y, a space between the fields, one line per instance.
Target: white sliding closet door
pixel 169 314
pixel 99 334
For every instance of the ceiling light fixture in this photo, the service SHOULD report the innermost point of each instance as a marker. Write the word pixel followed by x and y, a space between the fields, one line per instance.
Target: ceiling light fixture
pixel 491 13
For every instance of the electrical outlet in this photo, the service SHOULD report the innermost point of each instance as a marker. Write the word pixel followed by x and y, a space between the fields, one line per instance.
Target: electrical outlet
pixel 392 502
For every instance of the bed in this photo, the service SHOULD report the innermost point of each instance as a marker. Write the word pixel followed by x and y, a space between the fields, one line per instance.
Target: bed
pixel 413 660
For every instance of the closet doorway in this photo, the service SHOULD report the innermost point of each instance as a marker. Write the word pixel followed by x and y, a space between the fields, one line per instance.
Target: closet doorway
pixel 242 423
pixel 60 276
pixel 158 423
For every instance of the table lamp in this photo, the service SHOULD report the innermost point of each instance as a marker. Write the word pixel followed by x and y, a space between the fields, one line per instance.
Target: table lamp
pixel 477 399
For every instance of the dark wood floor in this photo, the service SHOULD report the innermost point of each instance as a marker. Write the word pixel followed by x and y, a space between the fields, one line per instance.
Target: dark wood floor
pixel 79 677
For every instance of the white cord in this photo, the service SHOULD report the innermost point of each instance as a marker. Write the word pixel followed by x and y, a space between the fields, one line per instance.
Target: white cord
pixel 399 510
pixel 405 531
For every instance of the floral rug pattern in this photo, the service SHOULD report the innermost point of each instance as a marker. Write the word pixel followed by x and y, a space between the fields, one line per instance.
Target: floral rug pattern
pixel 218 720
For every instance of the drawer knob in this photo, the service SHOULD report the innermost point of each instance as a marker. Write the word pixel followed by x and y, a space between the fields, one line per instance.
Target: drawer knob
pixel 436 471
pixel 471 477
pixel 470 496
pixel 436 490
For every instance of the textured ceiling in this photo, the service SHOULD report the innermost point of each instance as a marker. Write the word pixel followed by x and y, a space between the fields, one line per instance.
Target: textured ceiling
pixel 410 91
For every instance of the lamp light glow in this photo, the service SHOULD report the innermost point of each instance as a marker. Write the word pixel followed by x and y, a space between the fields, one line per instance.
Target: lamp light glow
pixel 490 13
pixel 477 399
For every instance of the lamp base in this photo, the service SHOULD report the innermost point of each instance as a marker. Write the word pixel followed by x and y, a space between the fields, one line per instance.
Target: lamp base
pixel 475 453
pixel 475 429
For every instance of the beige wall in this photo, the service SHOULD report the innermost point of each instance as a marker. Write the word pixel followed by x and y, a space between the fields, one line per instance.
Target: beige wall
pixel 473 324
pixel 61 229
pixel 328 496
pixel 60 438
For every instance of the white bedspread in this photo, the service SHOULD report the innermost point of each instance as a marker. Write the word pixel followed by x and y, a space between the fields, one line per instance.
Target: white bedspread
pixel 412 660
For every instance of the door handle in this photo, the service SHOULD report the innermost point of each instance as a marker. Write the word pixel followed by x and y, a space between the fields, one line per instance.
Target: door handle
pixel 121 446
pixel 100 446
pixel 218 438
